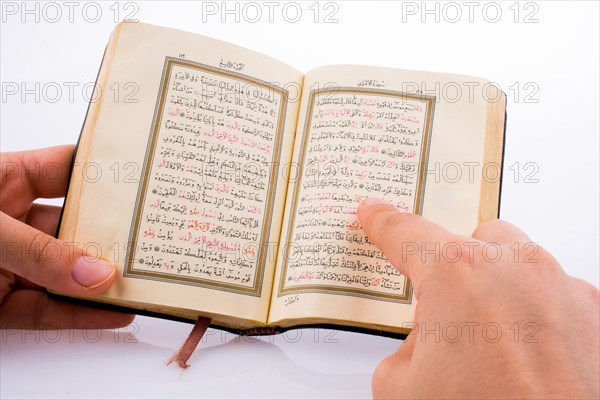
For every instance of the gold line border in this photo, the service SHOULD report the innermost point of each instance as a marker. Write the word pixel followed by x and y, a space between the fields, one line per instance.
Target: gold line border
pixel 148 160
pixel 406 297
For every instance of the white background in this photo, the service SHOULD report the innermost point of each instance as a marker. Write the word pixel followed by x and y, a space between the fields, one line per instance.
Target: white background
pixel 544 55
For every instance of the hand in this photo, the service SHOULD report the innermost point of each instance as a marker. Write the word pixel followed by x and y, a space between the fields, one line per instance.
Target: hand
pixel 32 260
pixel 496 315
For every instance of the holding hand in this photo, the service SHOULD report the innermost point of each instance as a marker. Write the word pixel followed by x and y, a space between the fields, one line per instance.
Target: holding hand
pixel 32 260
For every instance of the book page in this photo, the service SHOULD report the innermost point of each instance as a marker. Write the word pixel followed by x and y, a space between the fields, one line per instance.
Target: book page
pixel 371 132
pixel 206 195
pixel 189 199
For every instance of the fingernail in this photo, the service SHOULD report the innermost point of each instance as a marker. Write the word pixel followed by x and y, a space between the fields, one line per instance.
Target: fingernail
pixel 372 201
pixel 90 272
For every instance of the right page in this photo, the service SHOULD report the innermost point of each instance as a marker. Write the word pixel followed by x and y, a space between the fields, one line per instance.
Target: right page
pixel 428 143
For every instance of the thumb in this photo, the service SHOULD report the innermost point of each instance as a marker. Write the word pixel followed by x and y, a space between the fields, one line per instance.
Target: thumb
pixel 49 262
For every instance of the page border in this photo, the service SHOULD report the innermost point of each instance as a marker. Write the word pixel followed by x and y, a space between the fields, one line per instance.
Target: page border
pixel 128 271
pixel 406 297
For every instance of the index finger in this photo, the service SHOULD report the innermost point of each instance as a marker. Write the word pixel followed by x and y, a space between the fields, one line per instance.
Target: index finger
pixel 41 173
pixel 409 241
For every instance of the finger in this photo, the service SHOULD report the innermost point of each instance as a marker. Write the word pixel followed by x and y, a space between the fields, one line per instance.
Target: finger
pixel 406 239
pixel 501 232
pixel 51 263
pixel 52 177
pixel 32 309
pixel 44 217
pixel 42 173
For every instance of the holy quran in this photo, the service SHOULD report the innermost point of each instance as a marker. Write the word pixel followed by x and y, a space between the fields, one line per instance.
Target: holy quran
pixel 225 184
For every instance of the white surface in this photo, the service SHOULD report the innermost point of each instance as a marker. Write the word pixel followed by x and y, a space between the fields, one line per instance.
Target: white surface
pixel 559 133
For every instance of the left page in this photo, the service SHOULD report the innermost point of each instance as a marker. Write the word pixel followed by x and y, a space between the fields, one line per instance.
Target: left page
pixel 177 176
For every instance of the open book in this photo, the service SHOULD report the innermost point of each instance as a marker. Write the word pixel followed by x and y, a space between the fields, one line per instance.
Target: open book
pixel 224 183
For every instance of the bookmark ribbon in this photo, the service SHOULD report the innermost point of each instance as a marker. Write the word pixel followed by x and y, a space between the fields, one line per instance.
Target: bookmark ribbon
pixel 190 344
